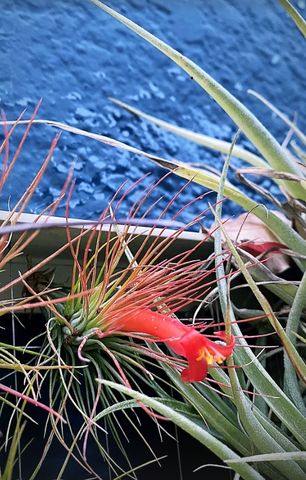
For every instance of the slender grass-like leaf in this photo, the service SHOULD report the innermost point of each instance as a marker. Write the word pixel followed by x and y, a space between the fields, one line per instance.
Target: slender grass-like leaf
pixel 264 384
pixel 291 384
pixel 220 272
pixel 286 442
pixel 207 179
pixel 261 380
pixel 278 457
pixel 288 122
pixel 8 472
pixel 290 349
pixel 190 427
pixel 100 138
pixel 289 415
pixel 133 470
pixel 210 413
pixel 199 138
pixel 259 435
pixel 284 290
pixel 294 14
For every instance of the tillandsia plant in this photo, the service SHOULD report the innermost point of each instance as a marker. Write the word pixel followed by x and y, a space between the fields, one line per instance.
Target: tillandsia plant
pixel 104 336
pixel 23 368
pixel 106 325
pixel 270 403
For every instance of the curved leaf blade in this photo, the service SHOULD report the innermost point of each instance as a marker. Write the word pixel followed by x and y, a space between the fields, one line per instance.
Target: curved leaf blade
pixel 199 138
pixel 244 119
pixel 221 450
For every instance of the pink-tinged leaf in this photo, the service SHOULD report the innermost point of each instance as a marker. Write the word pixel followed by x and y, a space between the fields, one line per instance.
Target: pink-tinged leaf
pixel 31 400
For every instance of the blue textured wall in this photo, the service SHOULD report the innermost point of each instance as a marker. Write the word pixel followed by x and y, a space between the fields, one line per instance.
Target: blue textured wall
pixel 74 56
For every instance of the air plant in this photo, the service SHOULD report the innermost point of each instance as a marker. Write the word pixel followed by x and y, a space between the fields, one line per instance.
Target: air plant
pixel 107 325
pixel 103 336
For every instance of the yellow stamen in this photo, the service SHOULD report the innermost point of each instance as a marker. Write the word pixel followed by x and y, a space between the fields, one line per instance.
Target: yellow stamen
pixel 200 356
pixel 209 358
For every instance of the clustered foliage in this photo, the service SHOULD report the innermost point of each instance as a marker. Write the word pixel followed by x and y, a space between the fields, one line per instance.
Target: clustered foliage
pixel 111 341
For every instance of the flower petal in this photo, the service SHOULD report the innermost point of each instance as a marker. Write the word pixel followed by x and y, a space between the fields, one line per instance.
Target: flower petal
pixel 224 350
pixel 196 371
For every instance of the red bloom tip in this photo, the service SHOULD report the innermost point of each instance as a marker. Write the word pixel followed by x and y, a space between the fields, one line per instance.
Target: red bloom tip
pixel 256 249
pixel 184 340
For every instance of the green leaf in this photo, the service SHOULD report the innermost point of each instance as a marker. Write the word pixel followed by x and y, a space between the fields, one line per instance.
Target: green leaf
pixel 288 122
pixel 278 434
pixel 284 290
pixel 291 384
pixel 264 384
pixel 207 179
pixel 290 349
pixel 217 447
pixel 210 413
pixel 294 14
pixel 8 472
pixel 278 457
pixel 259 435
pixel 255 430
pixel 199 138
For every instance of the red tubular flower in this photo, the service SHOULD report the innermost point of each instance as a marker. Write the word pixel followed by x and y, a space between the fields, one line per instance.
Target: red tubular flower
pixel 184 340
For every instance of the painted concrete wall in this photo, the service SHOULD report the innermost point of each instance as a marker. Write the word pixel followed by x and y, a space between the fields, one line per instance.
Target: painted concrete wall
pixel 74 56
